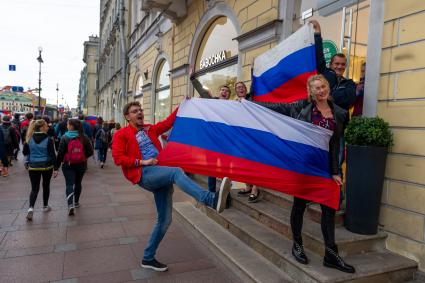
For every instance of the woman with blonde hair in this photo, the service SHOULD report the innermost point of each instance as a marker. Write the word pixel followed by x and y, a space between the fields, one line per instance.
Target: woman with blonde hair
pixel 318 109
pixel 40 152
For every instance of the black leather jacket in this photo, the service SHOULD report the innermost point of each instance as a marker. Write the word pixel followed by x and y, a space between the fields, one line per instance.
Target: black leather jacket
pixel 301 110
pixel 343 91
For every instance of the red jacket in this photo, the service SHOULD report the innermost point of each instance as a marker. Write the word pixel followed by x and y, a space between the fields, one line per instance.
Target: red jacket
pixel 125 148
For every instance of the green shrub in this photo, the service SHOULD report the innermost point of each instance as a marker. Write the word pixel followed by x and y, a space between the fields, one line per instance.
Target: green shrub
pixel 365 131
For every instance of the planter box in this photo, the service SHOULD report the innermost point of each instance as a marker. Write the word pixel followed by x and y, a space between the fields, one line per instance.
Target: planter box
pixel 365 178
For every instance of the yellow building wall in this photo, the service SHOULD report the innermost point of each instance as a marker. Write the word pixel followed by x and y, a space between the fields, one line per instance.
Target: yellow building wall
pixel 400 102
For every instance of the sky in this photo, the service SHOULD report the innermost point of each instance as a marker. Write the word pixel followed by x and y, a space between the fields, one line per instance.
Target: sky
pixel 60 27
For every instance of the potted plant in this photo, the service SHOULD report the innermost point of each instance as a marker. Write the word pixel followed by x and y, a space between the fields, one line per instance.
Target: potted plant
pixel 368 140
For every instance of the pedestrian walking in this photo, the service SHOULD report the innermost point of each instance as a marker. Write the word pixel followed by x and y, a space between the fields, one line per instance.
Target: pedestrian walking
pixel 24 126
pixel 102 139
pixel 135 149
pixel 16 123
pixel 40 155
pixel 3 159
pixel 74 150
pixel 11 142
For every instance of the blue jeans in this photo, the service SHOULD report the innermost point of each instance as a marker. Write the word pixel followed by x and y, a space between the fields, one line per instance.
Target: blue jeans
pixel 159 180
pixel 101 154
pixel 212 182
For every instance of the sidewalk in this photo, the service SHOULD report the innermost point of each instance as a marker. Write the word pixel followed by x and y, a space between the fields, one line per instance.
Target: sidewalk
pixel 103 242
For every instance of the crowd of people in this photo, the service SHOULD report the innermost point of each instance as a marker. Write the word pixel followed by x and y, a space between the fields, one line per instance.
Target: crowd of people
pixel 49 145
pixel 70 142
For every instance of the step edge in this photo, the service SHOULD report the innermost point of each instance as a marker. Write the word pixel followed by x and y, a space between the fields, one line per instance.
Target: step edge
pixel 379 236
pixel 239 265
pixel 288 257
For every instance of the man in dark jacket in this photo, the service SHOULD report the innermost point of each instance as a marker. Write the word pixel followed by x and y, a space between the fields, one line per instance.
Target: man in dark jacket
pixel 343 90
pixel 3 159
pixel 10 138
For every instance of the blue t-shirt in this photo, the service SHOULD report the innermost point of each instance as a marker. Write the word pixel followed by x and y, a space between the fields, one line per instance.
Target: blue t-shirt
pixel 146 146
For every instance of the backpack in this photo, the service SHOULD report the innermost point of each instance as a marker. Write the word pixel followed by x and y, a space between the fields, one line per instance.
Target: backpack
pixel 75 152
pixel 104 136
pixel 6 135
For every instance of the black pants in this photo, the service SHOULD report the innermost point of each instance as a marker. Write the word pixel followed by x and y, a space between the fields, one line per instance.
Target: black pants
pixel 73 178
pixel 327 222
pixel 35 177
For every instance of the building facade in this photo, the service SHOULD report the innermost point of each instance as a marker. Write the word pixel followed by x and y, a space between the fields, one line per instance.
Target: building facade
pixel 87 98
pixel 216 42
pixel 112 65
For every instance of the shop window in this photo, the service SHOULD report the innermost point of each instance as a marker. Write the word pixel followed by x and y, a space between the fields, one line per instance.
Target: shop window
pixel 330 17
pixel 162 104
pixel 217 57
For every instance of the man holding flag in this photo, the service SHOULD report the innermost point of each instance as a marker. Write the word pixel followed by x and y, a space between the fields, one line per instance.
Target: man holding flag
pixel 135 148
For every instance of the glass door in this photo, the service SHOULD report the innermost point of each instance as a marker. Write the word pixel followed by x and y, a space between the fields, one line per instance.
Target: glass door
pixel 344 29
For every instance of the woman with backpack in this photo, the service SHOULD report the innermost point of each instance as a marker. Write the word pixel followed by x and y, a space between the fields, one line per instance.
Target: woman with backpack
pixel 74 150
pixel 41 157
pixel 102 143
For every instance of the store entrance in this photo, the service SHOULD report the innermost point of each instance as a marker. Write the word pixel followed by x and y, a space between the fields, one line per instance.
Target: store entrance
pixel 344 29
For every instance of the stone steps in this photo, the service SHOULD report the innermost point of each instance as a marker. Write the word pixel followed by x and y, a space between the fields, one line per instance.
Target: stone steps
pixel 277 217
pixel 313 210
pixel 375 266
pixel 245 262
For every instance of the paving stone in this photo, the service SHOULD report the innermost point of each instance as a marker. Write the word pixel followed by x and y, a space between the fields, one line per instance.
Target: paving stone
pixel 34 238
pixel 86 233
pixel 111 277
pixel 119 219
pixel 29 251
pixel 35 268
pixel 72 280
pixel 142 273
pixel 96 261
pixel 65 247
pixel 128 240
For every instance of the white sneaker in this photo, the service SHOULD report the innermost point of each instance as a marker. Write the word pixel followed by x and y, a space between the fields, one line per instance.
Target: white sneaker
pixel 30 213
pixel 71 211
pixel 46 208
pixel 223 193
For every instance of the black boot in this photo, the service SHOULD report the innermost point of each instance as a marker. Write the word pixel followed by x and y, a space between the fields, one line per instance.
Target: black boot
pixel 298 253
pixel 333 260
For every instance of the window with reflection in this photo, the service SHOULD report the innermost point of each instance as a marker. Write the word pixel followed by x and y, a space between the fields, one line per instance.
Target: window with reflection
pixel 162 93
pixel 217 57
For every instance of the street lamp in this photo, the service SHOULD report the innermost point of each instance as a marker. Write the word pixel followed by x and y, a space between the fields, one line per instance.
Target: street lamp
pixel 40 60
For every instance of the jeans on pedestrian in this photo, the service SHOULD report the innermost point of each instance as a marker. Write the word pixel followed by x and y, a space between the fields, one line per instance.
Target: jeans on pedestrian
pixel 159 180
pixel 212 183
pixel 327 222
pixel 101 154
pixel 35 178
pixel 73 177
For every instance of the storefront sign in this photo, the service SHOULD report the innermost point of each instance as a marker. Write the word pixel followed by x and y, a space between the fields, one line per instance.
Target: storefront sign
pixel 212 60
pixel 329 50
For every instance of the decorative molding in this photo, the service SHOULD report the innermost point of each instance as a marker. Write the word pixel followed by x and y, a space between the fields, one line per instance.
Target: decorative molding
pixel 179 71
pixel 146 87
pixel 269 32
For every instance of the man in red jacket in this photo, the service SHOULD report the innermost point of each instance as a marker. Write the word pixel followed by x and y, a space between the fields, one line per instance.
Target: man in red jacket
pixel 135 149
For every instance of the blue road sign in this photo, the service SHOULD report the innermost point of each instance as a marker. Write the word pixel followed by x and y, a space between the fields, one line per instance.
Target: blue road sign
pixel 12 68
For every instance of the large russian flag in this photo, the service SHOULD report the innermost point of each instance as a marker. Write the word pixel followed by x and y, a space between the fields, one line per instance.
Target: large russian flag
pixel 252 144
pixel 281 73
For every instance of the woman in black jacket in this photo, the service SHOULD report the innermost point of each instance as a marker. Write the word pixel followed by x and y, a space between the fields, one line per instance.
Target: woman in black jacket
pixel 74 150
pixel 40 152
pixel 321 111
